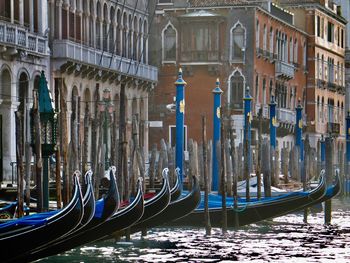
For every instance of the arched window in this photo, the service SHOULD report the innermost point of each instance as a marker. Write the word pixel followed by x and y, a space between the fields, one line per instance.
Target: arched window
pixel 270 89
pixel 264 92
pixel 169 43
pixel 322 67
pixel 265 39
pixel 119 32
pixel 304 56
pixel 238 43
pixel 318 70
pixel 256 94
pixel 237 88
pixel 318 108
pixel 257 35
pixel 104 28
pixel 291 57
pixel 322 109
pixel 295 51
pixel 135 38
pixel 271 42
pixel 111 31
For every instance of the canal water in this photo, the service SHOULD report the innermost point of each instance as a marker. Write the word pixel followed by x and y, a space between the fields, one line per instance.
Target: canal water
pixel 283 239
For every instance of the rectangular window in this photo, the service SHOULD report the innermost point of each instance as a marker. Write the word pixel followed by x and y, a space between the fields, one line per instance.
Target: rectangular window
pixel 322 27
pixel 318 26
pixel 330 32
pixel 200 42
pixel 342 38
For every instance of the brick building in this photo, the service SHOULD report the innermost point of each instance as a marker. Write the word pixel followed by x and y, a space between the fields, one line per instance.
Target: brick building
pixel 325 97
pixel 244 44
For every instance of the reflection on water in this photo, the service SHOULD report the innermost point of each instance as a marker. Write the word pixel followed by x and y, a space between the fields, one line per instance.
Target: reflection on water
pixel 284 239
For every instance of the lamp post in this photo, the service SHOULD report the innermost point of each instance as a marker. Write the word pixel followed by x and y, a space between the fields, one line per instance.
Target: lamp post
pixel 48 124
pixel 106 108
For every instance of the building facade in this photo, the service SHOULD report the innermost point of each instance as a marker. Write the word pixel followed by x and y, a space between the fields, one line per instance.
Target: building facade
pixel 84 48
pixel 345 12
pixel 244 44
pixel 24 54
pixel 325 96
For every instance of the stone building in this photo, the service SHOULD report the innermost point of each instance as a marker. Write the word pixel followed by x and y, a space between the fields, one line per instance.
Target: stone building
pixel 243 43
pixel 345 12
pixel 23 55
pixel 99 44
pixel 84 47
pixel 325 96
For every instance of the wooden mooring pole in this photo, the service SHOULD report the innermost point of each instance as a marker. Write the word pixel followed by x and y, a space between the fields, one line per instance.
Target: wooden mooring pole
pixel 329 178
pixel 205 174
pixel 223 177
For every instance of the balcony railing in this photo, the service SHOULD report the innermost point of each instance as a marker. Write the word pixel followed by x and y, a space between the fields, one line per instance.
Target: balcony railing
pixel 284 70
pixel 87 55
pixel 18 37
pixel 333 128
pixel 285 115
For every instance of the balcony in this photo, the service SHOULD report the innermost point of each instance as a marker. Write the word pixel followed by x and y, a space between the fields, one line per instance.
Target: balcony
pixel 333 128
pixel 18 37
pixel 341 89
pixel 284 70
pixel 200 56
pixel 321 84
pixel 332 86
pixel 68 50
pixel 285 115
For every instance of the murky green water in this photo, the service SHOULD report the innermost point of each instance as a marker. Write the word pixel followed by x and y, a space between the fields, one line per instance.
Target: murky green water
pixel 284 239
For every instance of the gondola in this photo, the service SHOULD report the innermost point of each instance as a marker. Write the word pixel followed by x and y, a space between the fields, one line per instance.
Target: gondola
pixel 25 234
pixel 175 210
pixel 118 221
pixel 176 191
pixel 154 205
pixel 8 210
pixel 331 191
pixel 159 202
pixel 103 210
pixel 252 212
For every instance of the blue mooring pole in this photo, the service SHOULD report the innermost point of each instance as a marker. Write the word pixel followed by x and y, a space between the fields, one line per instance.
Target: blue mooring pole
pixel 323 152
pixel 299 129
pixel 180 112
pixel 216 134
pixel 273 122
pixel 247 123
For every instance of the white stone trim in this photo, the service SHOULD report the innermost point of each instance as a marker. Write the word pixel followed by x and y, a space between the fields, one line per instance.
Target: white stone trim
pixel 238 23
pixel 169 24
pixel 237 69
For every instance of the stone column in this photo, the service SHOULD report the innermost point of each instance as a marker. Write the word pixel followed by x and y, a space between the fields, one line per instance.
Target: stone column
pixel 42 16
pixel 12 11
pixel 21 12
pixel 93 37
pixel 108 25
